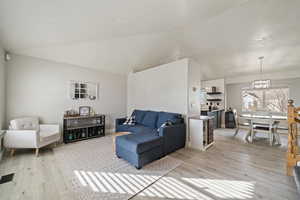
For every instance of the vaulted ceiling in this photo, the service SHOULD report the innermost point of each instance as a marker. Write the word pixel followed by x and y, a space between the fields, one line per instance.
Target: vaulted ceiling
pixel 225 37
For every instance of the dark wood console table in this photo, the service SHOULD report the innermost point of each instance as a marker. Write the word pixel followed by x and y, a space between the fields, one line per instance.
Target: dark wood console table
pixel 83 127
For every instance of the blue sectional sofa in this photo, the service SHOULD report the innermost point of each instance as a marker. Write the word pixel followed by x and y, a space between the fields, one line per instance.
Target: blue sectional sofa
pixel 297 177
pixel 150 140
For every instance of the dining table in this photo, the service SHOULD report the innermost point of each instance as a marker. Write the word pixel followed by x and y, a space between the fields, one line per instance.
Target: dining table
pixel 266 120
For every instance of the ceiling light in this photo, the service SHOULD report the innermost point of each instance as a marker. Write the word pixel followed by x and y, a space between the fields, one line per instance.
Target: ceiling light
pixel 7 56
pixel 261 39
pixel 261 83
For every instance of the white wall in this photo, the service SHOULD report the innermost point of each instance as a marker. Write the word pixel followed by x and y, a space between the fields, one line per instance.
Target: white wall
pixel 163 88
pixel 38 87
pixel 2 89
pixel 194 80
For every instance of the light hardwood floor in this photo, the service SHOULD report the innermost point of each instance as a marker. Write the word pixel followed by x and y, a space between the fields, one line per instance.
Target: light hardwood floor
pixel 229 170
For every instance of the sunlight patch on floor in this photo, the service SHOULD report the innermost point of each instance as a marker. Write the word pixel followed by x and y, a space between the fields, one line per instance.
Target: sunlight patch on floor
pixel 168 187
pixel 165 187
pixel 225 189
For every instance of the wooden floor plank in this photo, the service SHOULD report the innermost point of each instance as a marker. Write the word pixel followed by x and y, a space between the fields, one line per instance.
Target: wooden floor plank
pixel 256 170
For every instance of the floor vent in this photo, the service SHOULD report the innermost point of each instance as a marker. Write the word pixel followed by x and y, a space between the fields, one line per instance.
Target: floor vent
pixel 6 178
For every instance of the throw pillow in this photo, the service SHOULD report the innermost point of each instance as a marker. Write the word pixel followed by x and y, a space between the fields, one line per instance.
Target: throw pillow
pixel 167 123
pixel 130 121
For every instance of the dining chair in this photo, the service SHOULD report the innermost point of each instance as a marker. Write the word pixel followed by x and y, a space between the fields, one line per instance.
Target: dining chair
pixel 236 122
pixel 276 134
pixel 260 122
pixel 240 124
pixel 264 122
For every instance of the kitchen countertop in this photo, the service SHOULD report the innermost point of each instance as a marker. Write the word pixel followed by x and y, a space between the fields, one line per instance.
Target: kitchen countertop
pixel 213 110
pixel 201 117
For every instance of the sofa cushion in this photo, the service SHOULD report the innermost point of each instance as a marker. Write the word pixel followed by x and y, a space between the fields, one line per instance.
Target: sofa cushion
pixel 140 129
pixel 150 119
pixel 139 115
pixel 175 118
pixel 28 123
pixel 297 176
pixel 139 143
pixel 123 128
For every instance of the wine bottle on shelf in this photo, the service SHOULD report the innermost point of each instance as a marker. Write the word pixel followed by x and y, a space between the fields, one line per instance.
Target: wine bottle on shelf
pixel 74 135
pixel 89 132
pixel 78 134
pixel 70 136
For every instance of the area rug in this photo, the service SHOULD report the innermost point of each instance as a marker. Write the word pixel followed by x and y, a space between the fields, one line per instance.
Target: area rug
pixel 91 171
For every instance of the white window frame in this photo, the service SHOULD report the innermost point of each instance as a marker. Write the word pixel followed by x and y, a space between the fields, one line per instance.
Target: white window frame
pixel 264 89
pixel 92 88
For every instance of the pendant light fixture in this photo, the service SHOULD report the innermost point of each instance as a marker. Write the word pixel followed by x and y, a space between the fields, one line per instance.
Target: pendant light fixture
pixel 261 83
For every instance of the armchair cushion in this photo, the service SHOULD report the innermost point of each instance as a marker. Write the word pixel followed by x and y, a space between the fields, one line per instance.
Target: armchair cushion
pixel 49 136
pixel 28 123
pixel 49 133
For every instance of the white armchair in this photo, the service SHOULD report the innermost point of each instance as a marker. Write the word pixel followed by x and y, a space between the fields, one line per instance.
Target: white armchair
pixel 28 133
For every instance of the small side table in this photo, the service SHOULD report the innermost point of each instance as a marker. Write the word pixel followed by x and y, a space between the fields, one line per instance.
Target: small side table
pixel 2 133
pixel 116 135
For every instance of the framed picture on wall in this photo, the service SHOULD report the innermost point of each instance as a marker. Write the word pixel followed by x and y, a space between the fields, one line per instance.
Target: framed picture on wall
pixel 84 110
